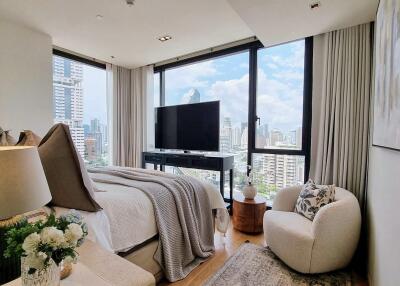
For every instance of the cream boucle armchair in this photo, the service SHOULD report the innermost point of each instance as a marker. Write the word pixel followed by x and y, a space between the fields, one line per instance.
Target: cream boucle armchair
pixel 325 244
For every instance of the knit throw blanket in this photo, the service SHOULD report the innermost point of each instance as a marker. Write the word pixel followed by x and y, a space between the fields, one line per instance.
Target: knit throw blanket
pixel 183 216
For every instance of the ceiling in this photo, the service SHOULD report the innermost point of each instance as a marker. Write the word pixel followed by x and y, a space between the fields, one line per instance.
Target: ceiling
pixel 279 21
pixel 130 34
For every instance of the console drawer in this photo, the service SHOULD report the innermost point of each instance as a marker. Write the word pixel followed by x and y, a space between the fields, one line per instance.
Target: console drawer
pixel 206 163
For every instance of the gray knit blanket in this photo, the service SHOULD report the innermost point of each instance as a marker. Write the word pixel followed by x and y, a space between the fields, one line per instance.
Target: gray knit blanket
pixel 183 216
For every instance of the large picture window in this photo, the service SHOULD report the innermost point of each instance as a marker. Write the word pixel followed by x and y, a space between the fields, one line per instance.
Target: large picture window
pixel 225 79
pixel 281 124
pixel 265 96
pixel 79 100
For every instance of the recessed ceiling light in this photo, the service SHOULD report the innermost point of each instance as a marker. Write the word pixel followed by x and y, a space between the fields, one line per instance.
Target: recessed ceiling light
pixel 164 38
pixel 315 5
pixel 130 2
pixel 99 17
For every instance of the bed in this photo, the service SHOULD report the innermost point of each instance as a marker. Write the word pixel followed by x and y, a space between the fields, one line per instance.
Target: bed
pixel 127 224
pixel 154 219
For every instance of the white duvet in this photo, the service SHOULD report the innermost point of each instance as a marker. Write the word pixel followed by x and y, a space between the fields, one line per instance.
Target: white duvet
pixel 127 218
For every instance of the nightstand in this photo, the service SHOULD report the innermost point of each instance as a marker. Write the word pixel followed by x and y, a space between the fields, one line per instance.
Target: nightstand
pixel 248 214
pixel 97 266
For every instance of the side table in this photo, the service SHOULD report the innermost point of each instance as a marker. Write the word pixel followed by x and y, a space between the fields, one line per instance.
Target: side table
pixel 248 214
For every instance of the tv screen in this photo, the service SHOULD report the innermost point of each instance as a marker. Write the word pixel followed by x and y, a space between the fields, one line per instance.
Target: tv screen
pixel 188 127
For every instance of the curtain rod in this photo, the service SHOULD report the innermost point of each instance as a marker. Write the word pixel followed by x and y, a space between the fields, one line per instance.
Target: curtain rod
pixel 206 51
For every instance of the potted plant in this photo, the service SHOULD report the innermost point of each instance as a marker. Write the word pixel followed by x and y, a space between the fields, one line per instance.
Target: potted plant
pixel 249 191
pixel 45 246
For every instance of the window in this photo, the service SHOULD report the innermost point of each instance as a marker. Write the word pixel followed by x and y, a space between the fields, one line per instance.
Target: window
pixel 280 76
pixel 280 150
pixel 265 96
pixel 79 100
pixel 157 96
pixel 225 79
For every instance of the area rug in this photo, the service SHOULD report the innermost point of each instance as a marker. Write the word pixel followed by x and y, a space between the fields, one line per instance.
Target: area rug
pixel 257 265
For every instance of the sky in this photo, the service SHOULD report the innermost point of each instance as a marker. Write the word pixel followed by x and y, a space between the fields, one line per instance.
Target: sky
pixel 94 94
pixel 279 90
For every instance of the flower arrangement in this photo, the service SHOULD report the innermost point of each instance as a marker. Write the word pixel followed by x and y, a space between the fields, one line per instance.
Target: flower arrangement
pixel 56 239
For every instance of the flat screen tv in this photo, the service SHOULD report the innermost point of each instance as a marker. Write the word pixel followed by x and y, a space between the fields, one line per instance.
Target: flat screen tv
pixel 188 127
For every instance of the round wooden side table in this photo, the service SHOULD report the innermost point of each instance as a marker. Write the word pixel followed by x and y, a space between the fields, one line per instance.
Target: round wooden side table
pixel 248 214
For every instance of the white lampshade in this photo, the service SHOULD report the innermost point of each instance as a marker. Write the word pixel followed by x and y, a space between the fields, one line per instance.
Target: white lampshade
pixel 23 184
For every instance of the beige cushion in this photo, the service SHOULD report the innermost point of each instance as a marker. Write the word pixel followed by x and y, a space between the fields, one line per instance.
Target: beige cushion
pixel 69 182
pixel 6 139
pixel 290 235
pixel 325 244
pixel 28 138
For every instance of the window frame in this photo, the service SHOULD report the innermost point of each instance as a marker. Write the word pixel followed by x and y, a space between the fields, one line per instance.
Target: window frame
pixel 307 108
pixel 253 48
pixel 80 59
pixel 96 64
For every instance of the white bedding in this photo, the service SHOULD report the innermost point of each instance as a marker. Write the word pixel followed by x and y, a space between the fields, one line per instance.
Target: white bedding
pixel 127 218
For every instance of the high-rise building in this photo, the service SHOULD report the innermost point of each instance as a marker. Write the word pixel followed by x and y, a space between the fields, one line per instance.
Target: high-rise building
pixel 95 125
pixel 90 147
pixel 226 135
pixel 236 137
pixel 68 98
pixel 193 96
pixel 280 170
pixel 276 137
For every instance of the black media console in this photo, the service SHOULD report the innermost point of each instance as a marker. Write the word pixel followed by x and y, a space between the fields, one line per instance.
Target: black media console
pixel 214 162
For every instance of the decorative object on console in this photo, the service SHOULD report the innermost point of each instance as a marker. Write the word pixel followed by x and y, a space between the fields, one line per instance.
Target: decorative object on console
pixel 249 191
pixel 74 189
pixel 23 188
pixel 6 139
pixel 386 130
pixel 28 138
pixel 45 245
pixel 313 197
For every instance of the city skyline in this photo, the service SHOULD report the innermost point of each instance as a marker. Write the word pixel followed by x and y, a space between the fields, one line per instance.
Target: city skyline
pixel 72 106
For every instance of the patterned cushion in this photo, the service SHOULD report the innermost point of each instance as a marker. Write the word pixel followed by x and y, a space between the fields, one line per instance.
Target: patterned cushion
pixel 313 197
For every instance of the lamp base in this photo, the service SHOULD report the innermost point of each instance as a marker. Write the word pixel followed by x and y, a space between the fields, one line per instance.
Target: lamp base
pixel 10 268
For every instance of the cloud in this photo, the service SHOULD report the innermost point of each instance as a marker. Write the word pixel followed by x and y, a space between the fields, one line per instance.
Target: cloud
pixel 190 76
pixel 280 88
pixel 292 59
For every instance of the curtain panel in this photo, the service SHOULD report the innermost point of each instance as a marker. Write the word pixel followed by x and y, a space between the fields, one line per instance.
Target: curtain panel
pixel 132 110
pixel 341 104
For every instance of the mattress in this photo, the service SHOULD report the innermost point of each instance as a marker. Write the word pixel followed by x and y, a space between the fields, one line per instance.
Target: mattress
pixel 127 218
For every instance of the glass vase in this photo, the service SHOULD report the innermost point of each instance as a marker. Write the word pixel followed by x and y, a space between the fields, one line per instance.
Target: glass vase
pixel 50 276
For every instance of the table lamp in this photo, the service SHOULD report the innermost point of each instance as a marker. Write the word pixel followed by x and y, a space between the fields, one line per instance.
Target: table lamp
pixel 23 188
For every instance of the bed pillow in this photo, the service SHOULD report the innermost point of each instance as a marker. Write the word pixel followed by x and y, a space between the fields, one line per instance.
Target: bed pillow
pixel 313 197
pixel 28 138
pixel 69 182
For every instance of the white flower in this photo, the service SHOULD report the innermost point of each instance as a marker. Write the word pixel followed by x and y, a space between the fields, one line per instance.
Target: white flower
pixel 42 255
pixel 34 261
pixel 31 243
pixel 52 237
pixel 69 259
pixel 73 233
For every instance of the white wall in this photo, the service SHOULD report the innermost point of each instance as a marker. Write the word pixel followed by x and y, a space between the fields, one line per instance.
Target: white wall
pixel 25 79
pixel 384 217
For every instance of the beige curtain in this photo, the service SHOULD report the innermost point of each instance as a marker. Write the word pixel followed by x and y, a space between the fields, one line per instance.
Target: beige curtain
pixel 132 105
pixel 341 109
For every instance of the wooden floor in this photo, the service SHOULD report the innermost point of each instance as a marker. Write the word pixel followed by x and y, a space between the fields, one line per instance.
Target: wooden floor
pixel 224 248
